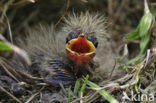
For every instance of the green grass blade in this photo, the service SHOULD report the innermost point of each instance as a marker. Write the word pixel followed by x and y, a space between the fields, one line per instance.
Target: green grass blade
pixel 132 36
pixel 4 46
pixel 83 86
pixel 134 59
pixel 77 86
pixel 145 24
pixel 69 97
pixel 106 95
pixel 144 42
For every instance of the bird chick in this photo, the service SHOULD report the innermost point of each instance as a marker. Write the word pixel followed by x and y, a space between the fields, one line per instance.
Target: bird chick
pixel 64 55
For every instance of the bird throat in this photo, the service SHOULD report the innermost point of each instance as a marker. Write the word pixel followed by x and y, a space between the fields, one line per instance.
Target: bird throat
pixel 80 51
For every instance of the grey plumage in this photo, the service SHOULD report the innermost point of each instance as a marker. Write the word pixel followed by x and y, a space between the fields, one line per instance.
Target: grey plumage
pixel 45 43
pixel 41 41
pixel 87 23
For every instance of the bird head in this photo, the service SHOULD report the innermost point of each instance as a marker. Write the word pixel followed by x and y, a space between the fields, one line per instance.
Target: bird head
pixel 80 48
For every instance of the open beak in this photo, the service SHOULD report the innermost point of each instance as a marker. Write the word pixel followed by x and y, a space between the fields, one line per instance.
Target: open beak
pixel 81 46
pixel 81 51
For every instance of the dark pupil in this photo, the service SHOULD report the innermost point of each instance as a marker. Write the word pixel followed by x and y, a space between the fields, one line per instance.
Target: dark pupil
pixel 71 36
pixel 93 40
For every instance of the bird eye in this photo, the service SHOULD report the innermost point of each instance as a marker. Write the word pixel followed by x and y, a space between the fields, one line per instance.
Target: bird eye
pixel 93 40
pixel 71 36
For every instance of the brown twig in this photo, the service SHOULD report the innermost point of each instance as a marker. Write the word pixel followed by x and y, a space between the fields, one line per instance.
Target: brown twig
pixel 77 100
pixel 118 12
pixel 110 8
pixel 85 1
pixel 32 97
pixel 22 3
pixel 92 96
pixel 5 8
pixel 8 72
pixel 61 85
pixel 14 73
pixel 113 69
pixel 29 76
pixel 68 5
pixel 12 96
pixel 9 27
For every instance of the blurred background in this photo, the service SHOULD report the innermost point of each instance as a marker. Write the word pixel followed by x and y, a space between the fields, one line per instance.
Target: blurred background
pixel 122 16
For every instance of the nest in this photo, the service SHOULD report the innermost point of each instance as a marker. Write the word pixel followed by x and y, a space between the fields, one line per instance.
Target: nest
pixel 21 86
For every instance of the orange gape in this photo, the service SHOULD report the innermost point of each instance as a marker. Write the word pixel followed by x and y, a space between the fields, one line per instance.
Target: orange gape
pixel 81 45
pixel 80 51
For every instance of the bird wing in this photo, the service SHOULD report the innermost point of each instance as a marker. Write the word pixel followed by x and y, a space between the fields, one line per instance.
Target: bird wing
pixel 59 73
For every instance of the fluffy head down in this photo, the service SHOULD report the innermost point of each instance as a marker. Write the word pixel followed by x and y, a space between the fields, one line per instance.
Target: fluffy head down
pixel 45 41
pixel 93 24
pixel 87 23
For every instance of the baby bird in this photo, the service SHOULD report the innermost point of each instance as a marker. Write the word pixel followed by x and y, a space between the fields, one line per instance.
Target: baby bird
pixel 64 55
